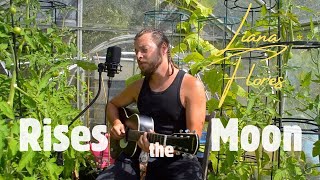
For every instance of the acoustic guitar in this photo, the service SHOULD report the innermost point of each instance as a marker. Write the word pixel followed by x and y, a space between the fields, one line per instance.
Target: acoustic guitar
pixel 136 124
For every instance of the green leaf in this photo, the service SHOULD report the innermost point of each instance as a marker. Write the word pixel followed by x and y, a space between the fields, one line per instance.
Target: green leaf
pixel 213 79
pixel 49 30
pixel 6 110
pixel 26 157
pixel 3 46
pixel 86 65
pixel 293 17
pixel 194 20
pixel 13 146
pixel 54 169
pixel 212 104
pixel 184 27
pixel 3 35
pixel 179 48
pixel 266 159
pixel 193 40
pixel 305 79
pixel 272 111
pixel 72 153
pixel 303 156
pixel 30 42
pixel 195 68
pixel 264 10
pixel 280 174
pixel 311 25
pixel 44 81
pixel 231 157
pixel 30 167
pixel 15 129
pixel 4 131
pixel 238 90
pixel 30 178
pixel 298 171
pixel 305 8
pixel 204 10
pixel 188 2
pixel 250 104
pixel 193 57
pixel 316 149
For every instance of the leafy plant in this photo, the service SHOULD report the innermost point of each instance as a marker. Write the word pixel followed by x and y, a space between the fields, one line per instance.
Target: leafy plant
pixel 36 86
pixel 261 104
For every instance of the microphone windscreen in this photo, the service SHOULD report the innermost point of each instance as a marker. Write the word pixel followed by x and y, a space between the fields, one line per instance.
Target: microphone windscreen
pixel 113 55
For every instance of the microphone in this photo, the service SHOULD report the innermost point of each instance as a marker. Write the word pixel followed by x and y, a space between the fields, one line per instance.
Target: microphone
pixel 112 60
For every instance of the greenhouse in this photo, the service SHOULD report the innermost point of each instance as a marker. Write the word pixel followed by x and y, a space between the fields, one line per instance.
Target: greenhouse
pixel 228 88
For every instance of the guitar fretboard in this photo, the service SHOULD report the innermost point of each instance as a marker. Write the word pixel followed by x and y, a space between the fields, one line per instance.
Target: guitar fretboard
pixel 134 135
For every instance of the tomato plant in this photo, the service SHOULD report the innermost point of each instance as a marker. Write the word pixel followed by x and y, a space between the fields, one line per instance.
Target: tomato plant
pixel 33 89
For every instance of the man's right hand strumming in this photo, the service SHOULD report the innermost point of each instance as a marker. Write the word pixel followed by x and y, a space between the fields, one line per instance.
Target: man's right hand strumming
pixel 118 131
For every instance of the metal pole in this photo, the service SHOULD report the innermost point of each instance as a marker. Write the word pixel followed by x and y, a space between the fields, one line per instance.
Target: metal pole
pixel 80 98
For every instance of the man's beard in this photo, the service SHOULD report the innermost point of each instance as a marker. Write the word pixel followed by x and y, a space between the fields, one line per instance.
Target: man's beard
pixel 152 67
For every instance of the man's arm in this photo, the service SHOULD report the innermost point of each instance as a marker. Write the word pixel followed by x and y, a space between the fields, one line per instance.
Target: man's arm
pixel 126 97
pixel 195 103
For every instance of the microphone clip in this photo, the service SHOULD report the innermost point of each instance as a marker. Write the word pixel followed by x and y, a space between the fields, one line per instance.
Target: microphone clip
pixel 110 68
pixel 113 68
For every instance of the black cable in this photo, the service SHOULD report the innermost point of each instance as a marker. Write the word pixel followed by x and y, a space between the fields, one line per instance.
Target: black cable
pixel 105 122
pixel 111 70
pixel 101 68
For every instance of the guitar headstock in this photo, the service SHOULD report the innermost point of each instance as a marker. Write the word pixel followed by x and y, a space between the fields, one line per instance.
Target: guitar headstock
pixel 185 142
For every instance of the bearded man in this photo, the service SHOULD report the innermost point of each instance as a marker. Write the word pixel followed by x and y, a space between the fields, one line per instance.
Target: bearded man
pixel 174 99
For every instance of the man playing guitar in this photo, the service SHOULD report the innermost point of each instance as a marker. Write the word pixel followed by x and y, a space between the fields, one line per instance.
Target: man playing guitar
pixel 175 100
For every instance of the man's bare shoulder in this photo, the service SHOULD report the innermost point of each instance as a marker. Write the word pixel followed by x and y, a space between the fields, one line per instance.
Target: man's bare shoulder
pixel 136 84
pixel 191 82
pixel 135 87
pixel 129 94
pixel 192 89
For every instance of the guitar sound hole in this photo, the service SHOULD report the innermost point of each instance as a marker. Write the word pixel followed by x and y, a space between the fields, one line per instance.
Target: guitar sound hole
pixel 123 143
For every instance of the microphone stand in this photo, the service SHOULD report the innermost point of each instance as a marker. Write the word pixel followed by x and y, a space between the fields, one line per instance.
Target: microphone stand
pixel 105 122
pixel 102 67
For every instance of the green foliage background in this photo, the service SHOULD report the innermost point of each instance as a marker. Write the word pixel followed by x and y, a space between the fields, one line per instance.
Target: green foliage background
pixel 38 88
pixel 257 105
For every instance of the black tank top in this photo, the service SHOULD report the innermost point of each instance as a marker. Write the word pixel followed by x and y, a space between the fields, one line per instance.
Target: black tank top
pixel 164 107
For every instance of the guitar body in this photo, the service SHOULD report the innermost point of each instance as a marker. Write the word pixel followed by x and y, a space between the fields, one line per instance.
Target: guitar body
pixel 136 124
pixel 131 121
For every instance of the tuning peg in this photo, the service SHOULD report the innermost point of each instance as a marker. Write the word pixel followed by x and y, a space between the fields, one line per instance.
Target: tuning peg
pixel 186 150
pixel 180 148
pixel 181 131
pixel 181 135
pixel 178 153
pixel 187 131
pixel 188 137
pixel 190 156
pixel 194 131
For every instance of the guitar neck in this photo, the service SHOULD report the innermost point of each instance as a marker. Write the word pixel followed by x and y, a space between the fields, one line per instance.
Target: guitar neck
pixel 134 135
